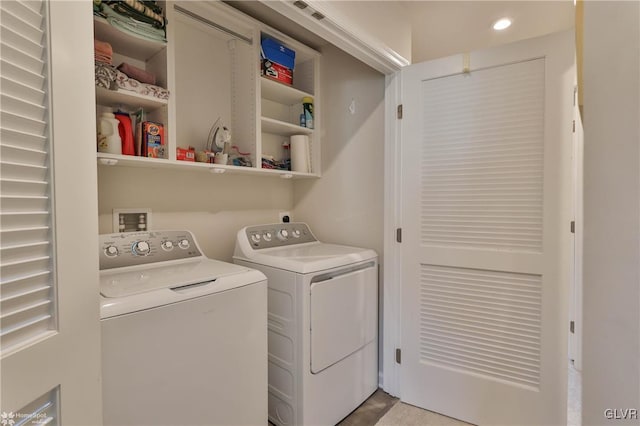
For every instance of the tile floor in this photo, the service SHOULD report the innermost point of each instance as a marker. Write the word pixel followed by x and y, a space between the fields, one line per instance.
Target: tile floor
pixel 378 404
pixel 371 410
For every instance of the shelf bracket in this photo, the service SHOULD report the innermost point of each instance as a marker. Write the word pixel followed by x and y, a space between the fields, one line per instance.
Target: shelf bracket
pixel 108 161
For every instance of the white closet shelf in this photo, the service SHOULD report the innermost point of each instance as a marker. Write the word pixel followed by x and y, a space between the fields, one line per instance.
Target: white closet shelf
pixel 126 44
pixel 281 93
pixel 144 162
pixel 128 98
pixel 277 127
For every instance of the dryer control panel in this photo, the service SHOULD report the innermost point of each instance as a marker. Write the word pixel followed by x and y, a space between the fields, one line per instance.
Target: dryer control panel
pixel 279 235
pixel 140 248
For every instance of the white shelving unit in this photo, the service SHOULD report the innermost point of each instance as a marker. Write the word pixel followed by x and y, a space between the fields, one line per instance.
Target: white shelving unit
pixel 150 55
pixel 270 125
pixel 129 99
pixel 126 44
pixel 281 104
pixel 210 65
pixel 280 92
pixel 112 160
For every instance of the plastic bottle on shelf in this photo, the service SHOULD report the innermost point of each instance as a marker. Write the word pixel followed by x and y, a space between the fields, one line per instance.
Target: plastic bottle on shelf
pixel 126 133
pixel 307 109
pixel 286 155
pixel 108 137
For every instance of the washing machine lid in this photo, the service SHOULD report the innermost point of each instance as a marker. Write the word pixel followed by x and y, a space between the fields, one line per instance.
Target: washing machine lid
pixel 125 282
pixel 308 257
pixel 143 287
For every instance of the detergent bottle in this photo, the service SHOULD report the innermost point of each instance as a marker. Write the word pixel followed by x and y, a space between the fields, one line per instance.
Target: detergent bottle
pixel 108 136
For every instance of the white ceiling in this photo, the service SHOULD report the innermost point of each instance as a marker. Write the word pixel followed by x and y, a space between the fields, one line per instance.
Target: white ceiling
pixel 444 28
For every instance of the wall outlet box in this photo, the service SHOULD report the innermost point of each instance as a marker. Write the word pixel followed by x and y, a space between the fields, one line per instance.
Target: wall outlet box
pixel 131 220
pixel 283 215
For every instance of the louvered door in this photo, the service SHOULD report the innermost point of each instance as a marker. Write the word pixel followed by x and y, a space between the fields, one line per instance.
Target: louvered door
pixel 27 293
pixel 49 327
pixel 485 159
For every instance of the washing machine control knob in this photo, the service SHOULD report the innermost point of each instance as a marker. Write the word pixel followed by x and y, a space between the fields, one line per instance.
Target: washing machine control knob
pixel 283 234
pixel 295 233
pixel 111 251
pixel 267 236
pixel 141 248
pixel 167 245
pixel 255 238
pixel 183 244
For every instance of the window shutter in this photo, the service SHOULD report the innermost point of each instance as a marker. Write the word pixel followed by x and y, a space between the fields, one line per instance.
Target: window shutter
pixel 27 279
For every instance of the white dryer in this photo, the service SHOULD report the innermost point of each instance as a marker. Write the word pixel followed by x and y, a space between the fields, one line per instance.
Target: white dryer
pixel 184 338
pixel 323 321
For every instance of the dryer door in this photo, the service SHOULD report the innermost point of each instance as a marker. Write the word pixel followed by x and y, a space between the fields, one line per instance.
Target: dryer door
pixel 344 313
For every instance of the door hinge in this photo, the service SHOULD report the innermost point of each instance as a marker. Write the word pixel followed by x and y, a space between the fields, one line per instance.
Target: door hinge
pixel 574 126
pixel 398 356
pixel 573 226
pixel 572 327
pixel 399 235
pixel 399 112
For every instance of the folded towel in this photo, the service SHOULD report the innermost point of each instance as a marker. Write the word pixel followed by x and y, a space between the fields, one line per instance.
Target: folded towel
pixel 102 47
pixel 132 26
pixel 138 74
pixel 101 58
pixel 105 76
pixel 126 83
pixel 138 11
pixel 103 51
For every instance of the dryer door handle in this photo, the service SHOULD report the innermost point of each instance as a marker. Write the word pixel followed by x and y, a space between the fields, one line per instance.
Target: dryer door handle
pixel 340 272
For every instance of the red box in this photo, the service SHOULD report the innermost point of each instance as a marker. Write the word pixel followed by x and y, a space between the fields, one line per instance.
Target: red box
pixel 186 154
pixel 276 71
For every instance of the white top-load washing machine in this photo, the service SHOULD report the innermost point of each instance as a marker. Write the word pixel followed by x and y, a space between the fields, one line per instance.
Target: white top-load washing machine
pixel 323 321
pixel 184 338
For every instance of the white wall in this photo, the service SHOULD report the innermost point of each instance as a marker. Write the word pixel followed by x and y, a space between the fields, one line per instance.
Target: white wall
pixel 611 201
pixel 213 207
pixel 345 206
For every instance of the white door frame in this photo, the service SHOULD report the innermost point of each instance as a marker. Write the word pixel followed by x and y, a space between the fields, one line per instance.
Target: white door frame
pixel 575 346
pixel 392 266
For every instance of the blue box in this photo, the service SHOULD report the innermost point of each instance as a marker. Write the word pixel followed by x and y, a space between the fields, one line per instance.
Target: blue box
pixel 276 52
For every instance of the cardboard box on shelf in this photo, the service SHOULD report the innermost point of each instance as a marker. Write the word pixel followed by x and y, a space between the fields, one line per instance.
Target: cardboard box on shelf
pixel 276 72
pixel 276 52
pixel 186 154
pixel 277 61
pixel 152 139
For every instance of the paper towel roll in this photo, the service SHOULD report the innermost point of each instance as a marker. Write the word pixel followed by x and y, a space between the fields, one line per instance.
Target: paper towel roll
pixel 300 153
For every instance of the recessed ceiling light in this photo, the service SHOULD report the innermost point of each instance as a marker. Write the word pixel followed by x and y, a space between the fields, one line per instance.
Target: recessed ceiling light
pixel 502 24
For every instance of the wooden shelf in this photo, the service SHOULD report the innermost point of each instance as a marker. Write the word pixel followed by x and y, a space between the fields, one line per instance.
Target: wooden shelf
pixel 126 44
pixel 277 127
pixel 110 160
pixel 281 93
pixel 128 98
